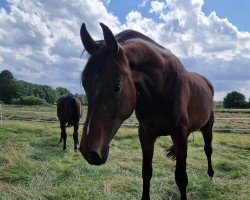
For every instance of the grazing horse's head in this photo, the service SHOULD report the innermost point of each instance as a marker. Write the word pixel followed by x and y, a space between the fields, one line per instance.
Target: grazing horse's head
pixel 110 91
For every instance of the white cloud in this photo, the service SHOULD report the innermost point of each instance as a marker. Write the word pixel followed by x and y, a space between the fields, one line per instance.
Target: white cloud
pixel 143 3
pixel 107 2
pixel 40 40
pixel 206 44
pixel 156 7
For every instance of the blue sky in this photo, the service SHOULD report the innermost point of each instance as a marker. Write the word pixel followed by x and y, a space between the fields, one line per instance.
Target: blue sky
pixel 236 11
pixel 122 7
pixel 40 42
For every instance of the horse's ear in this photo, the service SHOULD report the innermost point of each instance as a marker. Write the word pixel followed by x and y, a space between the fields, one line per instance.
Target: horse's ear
pixel 109 38
pixel 88 42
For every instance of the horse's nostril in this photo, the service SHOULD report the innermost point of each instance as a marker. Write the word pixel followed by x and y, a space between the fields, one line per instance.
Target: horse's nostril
pixel 95 158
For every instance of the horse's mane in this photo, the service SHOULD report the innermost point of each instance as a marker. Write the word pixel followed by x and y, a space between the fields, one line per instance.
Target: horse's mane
pixel 131 35
pixel 135 36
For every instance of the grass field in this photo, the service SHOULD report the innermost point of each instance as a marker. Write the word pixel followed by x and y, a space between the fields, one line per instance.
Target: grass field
pixel 226 119
pixel 33 166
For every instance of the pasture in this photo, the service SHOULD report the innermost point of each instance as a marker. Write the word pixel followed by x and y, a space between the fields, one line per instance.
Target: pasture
pixel 33 165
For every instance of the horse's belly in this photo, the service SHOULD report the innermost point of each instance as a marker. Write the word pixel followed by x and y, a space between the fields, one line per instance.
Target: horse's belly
pixel 199 113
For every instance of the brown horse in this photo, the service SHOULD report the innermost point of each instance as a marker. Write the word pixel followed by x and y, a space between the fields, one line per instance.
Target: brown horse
pixel 130 71
pixel 69 112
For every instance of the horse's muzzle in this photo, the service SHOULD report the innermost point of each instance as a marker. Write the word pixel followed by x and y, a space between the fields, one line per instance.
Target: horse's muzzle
pixel 94 158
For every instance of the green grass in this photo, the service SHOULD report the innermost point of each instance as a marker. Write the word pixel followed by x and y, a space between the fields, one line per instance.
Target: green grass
pixel 33 166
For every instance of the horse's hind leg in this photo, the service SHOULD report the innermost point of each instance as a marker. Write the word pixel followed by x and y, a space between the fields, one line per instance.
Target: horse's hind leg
pixel 179 138
pixel 208 137
pixel 63 134
pixel 62 130
pixel 75 136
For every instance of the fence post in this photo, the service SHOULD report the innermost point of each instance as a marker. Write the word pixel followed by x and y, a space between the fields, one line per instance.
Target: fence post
pixel 1 114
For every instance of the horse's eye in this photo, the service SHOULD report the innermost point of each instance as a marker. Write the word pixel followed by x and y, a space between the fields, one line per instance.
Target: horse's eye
pixel 117 88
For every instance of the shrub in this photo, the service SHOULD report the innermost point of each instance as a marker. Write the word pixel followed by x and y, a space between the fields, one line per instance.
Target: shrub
pixel 28 100
pixel 235 100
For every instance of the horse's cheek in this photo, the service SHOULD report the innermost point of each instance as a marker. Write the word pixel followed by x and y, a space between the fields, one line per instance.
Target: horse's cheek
pixel 128 99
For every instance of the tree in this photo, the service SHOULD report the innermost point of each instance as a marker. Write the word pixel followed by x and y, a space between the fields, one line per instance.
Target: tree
pixel 235 100
pixel 6 74
pixel 8 89
pixel 83 98
pixel 16 90
pixel 61 91
pixel 50 94
pixel 25 88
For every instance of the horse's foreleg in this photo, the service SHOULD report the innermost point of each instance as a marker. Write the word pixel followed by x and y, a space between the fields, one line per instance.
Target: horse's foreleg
pixel 147 145
pixel 63 131
pixel 75 136
pixel 180 143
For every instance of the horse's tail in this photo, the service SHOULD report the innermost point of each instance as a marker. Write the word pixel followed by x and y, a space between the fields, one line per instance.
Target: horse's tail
pixel 74 113
pixel 170 152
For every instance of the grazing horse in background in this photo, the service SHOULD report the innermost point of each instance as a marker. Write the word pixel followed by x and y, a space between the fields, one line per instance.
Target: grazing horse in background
pixel 130 71
pixel 69 112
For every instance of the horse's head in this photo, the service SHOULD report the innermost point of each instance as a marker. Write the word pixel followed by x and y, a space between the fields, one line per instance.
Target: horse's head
pixel 110 91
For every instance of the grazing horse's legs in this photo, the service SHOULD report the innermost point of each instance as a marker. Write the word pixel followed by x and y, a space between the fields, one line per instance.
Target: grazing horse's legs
pixel 208 137
pixel 75 135
pixel 63 134
pixel 180 144
pixel 147 145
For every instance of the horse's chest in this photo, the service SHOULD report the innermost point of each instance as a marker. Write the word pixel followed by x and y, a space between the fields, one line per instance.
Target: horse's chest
pixel 158 115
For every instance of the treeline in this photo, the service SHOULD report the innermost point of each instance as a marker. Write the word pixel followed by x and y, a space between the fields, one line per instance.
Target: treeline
pixel 235 100
pixel 14 91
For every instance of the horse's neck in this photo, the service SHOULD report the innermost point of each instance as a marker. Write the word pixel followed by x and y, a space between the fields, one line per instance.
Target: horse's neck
pixel 151 68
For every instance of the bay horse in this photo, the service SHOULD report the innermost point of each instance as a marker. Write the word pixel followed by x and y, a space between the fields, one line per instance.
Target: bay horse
pixel 69 112
pixel 130 72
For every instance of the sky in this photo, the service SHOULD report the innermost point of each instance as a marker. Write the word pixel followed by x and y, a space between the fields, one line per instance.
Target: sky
pixel 40 42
